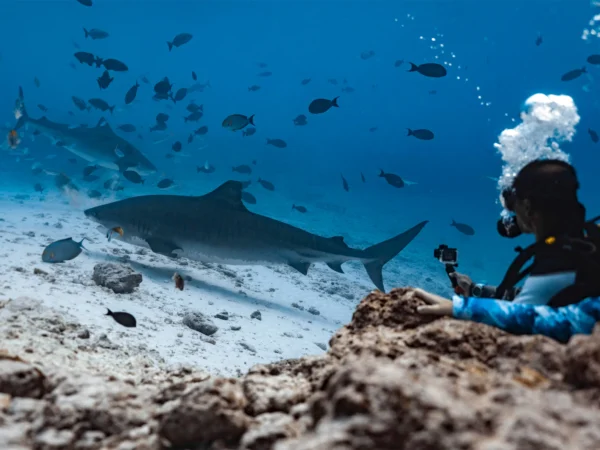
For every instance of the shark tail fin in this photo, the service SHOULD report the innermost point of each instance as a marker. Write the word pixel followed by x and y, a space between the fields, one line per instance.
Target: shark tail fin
pixel 20 110
pixel 380 254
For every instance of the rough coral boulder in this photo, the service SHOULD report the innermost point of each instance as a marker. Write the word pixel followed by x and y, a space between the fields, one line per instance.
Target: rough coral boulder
pixel 119 278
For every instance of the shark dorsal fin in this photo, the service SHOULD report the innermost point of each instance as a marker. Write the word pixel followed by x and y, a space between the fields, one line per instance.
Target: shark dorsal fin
pixel 339 240
pixel 229 193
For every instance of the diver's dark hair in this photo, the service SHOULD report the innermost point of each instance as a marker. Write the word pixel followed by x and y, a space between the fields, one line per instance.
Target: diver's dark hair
pixel 551 186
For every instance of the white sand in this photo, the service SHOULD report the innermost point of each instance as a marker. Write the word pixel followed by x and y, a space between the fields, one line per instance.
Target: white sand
pixel 29 225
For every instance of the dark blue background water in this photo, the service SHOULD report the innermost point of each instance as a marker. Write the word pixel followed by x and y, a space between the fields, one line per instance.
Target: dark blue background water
pixel 493 43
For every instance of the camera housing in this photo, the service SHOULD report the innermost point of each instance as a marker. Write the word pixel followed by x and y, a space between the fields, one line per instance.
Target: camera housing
pixel 446 255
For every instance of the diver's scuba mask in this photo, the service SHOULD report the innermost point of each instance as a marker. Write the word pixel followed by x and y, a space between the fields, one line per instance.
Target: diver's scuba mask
pixel 508 226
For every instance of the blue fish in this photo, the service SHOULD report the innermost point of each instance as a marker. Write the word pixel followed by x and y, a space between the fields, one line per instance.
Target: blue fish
pixel 63 250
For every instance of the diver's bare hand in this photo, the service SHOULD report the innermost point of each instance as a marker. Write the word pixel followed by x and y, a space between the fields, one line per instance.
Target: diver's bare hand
pixel 436 305
pixel 464 282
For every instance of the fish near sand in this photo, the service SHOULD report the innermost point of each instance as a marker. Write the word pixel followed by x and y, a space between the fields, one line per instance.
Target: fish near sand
pixel 392 179
pixel 300 209
pixel 573 74
pixel 63 250
pixel 218 228
pixel 179 283
pixel 345 184
pixel 179 40
pixel 593 135
pixel 122 318
pixel 424 134
pixel 463 228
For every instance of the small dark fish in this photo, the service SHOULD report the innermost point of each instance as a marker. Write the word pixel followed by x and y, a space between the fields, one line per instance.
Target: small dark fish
pixel 265 74
pixel 348 89
pixel 373 129
pixel 162 117
pixel 247 197
pixel 321 105
pixel 131 93
pixel 180 95
pixel 144 79
pixel 190 138
pixel 237 121
pixel 300 120
pixel 72 66
pixel 305 81
pixel 254 88
pixel 367 55
pixel 115 65
pixel 593 135
pixel 248 131
pixel 242 169
pixel 193 107
pixel 79 103
pixel 100 104
pixel 177 146
pixel 424 135
pixel 71 113
pixel 398 62
pixel 61 181
pixel 194 117
pixel 122 318
pixel 38 188
pixel 42 107
pixel 345 184
pixel 199 87
pixel 63 250
pixel 573 74
pixel 279 143
pixel 432 70
pixel 72 160
pixel 201 131
pixel 94 33
pixel 105 80
pixel 539 40
pixel 432 92
pixel 133 176
pixel 127 128
pixel 362 177
pixel 94 194
pixel 179 284
pixel 194 76
pixel 594 59
pixel 89 170
pixel 163 86
pixel 267 185
pixel 333 81
pixel 85 2
pixel 206 168
pixel 85 58
pixel 463 228
pixel 392 179
pixel 300 209
pixel 165 184
pixel 262 65
pixel 179 40
pixel 36 81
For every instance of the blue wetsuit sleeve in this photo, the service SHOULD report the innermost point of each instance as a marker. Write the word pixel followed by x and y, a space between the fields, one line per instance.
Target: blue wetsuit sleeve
pixel 557 323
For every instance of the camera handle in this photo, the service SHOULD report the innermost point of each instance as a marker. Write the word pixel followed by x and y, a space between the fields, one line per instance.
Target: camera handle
pixel 450 269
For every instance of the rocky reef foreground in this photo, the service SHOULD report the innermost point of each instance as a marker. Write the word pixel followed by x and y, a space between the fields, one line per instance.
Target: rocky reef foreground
pixel 391 380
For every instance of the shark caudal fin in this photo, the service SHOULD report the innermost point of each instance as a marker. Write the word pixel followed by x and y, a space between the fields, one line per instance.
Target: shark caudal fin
pixel 386 250
pixel 20 111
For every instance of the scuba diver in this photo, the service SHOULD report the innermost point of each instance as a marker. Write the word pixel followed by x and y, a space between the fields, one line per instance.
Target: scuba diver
pixel 559 295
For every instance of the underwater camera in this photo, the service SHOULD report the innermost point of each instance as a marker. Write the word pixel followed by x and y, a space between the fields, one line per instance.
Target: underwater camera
pixel 446 255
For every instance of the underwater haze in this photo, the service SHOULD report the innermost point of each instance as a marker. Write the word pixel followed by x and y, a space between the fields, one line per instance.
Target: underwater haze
pixel 456 73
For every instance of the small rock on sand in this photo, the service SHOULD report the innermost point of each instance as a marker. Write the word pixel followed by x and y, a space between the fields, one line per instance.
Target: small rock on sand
pixel 121 279
pixel 256 315
pixel 199 322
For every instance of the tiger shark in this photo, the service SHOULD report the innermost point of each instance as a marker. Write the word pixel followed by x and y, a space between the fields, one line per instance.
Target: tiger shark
pixel 218 228
pixel 99 145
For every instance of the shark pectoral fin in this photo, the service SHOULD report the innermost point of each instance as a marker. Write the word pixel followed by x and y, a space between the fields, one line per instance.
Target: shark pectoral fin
pixel 163 247
pixel 335 266
pixel 301 267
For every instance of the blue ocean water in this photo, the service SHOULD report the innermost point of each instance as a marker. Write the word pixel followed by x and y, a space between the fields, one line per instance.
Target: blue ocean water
pixel 488 48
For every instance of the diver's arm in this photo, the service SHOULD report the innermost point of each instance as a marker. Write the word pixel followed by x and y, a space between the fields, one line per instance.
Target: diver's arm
pixel 489 291
pixel 517 318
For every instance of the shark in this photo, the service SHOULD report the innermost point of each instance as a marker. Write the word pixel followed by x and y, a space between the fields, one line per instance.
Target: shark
pixel 99 145
pixel 217 227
